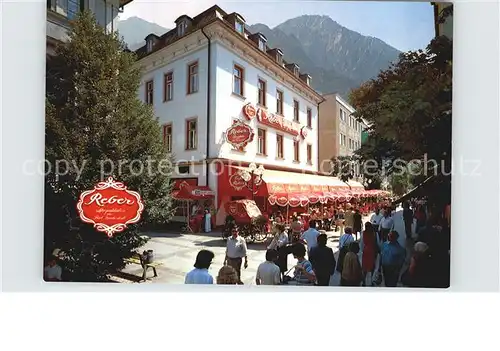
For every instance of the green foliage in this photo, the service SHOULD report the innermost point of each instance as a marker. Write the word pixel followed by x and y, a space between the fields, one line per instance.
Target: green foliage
pixel 408 108
pixel 94 118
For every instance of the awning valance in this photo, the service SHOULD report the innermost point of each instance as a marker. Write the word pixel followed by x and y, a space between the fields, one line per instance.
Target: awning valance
pixel 192 192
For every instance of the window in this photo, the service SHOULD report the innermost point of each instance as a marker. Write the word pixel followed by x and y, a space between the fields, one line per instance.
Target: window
pixel 279 146
pixel 183 169
pixel 191 134
pixel 342 139
pixel 342 115
pixel 295 110
pixel 149 45
pixel 168 86
pixel 67 8
pixel 181 29
pixel 309 154
pixel 238 77
pixel 192 78
pixel 309 117
pixel 149 92
pixel 167 137
pixel 279 102
pixel 261 141
pixel 296 155
pixel 239 26
pixel 261 99
pixel 279 57
pixel 262 45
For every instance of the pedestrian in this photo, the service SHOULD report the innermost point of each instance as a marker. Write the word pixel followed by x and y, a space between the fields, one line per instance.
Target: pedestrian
pixel 228 276
pixel 303 273
pixel 323 261
pixel 339 220
pixel 296 227
pixel 408 219
pixel 208 221
pixel 393 258
pixel 268 273
pixel 349 217
pixel 420 273
pixel 370 249
pixel 200 275
pixel 52 272
pixel 344 242
pixel 386 225
pixel 310 237
pixel 421 218
pixel 357 221
pixel 280 243
pixel 375 219
pixel 351 272
pixel 236 251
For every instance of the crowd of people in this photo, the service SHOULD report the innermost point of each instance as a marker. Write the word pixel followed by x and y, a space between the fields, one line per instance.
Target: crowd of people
pixel 368 256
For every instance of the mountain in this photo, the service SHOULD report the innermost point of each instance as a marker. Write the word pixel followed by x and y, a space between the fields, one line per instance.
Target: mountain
pixel 135 29
pixel 337 58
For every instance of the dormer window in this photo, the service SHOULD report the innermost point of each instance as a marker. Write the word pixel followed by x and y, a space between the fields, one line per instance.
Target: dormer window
pixel 262 45
pixel 181 28
pixel 239 26
pixel 279 57
pixel 296 71
pixel 149 45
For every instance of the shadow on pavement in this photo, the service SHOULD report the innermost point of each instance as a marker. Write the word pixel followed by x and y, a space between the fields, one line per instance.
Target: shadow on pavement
pixel 212 243
pixel 163 234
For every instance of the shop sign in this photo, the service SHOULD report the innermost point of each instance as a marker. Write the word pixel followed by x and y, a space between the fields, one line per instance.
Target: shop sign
pixel 293 188
pixel 200 192
pixel 303 132
pixel 249 111
pixel 237 182
pixel 110 207
pixel 278 122
pixel 239 135
pixel 304 188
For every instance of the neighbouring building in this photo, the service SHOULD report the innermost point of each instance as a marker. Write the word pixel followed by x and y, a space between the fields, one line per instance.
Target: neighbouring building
pixel 226 99
pixel 339 132
pixel 61 12
pixel 445 28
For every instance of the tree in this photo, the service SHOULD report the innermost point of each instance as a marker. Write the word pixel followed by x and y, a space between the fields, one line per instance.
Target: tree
pixel 408 108
pixel 95 124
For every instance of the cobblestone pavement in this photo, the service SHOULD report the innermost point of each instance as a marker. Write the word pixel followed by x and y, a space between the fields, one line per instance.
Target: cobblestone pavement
pixel 177 252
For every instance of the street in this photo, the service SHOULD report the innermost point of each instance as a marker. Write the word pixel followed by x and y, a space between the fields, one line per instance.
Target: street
pixel 178 252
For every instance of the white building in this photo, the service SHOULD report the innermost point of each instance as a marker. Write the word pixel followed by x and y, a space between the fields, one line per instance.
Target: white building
pixel 61 12
pixel 199 77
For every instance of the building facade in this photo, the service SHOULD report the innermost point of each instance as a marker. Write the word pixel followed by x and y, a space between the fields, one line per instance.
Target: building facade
pixel 225 99
pixel 61 12
pixel 446 27
pixel 339 132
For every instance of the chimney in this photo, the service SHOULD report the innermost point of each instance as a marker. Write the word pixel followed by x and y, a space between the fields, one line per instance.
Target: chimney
pixel 306 78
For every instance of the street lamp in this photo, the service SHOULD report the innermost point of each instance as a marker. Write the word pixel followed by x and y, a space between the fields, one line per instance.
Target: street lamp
pixel 252 177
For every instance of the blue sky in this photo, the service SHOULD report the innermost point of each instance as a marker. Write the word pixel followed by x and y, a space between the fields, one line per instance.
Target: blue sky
pixel 405 25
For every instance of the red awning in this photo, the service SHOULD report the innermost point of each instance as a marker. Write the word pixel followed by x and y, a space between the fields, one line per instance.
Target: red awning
pixel 191 192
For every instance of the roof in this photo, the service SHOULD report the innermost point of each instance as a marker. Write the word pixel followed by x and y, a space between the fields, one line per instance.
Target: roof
pixel 203 19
